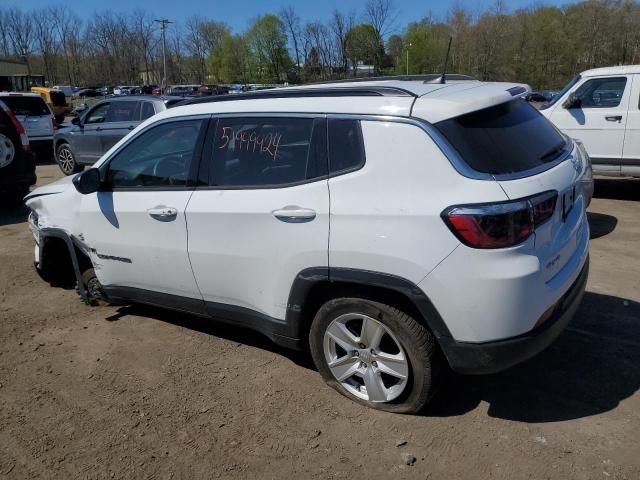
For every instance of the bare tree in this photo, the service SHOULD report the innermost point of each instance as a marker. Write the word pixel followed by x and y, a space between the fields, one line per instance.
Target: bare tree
pixel 382 15
pixel 292 24
pixel 4 34
pixel 196 46
pixel 340 25
pixel 46 41
pixel 67 26
pixel 20 31
pixel 143 33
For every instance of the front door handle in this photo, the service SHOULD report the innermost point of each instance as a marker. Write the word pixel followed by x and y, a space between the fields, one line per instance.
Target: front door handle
pixel 613 118
pixel 98 129
pixel 163 214
pixel 293 214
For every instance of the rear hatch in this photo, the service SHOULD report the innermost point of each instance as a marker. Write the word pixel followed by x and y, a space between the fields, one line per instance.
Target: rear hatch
pixel 527 156
pixel 33 113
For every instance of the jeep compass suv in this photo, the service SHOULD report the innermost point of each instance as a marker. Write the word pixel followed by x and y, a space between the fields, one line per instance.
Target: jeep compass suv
pixel 391 227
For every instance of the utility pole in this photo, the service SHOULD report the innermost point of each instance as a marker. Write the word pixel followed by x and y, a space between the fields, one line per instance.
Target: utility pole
pixel 408 45
pixel 163 26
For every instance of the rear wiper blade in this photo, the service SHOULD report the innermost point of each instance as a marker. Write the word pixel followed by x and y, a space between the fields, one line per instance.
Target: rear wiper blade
pixel 553 152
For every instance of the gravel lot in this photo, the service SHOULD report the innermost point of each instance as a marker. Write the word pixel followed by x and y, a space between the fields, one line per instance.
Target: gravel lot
pixel 135 392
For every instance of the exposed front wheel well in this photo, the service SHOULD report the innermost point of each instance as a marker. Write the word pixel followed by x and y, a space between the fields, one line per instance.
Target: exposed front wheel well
pixel 56 264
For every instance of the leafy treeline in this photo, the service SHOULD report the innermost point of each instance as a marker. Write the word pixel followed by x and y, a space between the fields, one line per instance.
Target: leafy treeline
pixel 539 45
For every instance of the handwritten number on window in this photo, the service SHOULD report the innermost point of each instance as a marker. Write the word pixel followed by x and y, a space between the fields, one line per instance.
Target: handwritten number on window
pixel 251 141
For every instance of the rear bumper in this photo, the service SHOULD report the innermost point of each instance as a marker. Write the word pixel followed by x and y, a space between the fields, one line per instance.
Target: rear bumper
pixel 492 357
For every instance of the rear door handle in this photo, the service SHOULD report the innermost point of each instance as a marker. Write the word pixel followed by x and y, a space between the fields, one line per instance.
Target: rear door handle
pixel 163 214
pixel 292 214
pixel 613 118
pixel 131 127
pixel 98 129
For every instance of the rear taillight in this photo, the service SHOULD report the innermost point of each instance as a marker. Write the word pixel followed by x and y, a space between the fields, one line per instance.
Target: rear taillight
pixel 54 124
pixel 500 225
pixel 24 139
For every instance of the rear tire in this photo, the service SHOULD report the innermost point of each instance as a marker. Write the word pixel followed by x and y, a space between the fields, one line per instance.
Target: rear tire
pixel 66 160
pixel 367 364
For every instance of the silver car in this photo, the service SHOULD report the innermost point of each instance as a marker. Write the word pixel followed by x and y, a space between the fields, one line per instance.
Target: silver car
pixel 37 119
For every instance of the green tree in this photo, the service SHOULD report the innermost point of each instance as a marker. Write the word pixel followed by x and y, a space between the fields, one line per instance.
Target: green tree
pixel 267 39
pixel 362 45
pixel 229 62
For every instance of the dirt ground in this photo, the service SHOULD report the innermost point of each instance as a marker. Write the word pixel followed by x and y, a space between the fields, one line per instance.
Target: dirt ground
pixel 135 392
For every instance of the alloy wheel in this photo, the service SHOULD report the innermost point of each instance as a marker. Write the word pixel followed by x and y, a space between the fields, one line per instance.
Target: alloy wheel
pixel 366 358
pixel 7 151
pixel 65 160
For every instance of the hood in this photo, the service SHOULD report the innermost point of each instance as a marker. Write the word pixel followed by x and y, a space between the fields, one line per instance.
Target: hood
pixel 58 186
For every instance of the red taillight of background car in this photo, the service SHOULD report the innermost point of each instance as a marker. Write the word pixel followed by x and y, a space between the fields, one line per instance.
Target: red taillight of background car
pixel 500 225
pixel 54 124
pixel 24 139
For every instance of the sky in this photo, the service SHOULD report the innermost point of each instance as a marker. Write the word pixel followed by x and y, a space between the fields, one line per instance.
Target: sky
pixel 239 13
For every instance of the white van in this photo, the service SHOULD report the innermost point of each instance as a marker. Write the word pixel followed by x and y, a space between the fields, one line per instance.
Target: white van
pixel 601 108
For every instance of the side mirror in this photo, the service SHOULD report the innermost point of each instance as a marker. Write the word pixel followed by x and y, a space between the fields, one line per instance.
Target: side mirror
pixel 76 121
pixel 572 102
pixel 87 181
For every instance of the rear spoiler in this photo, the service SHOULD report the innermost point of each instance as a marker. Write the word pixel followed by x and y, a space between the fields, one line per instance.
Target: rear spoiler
pixel 519 90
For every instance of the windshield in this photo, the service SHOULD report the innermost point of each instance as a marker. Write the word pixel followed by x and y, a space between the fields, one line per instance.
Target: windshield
pixel 560 94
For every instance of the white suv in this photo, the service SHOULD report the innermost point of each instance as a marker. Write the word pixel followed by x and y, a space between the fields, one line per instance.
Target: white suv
pixel 380 224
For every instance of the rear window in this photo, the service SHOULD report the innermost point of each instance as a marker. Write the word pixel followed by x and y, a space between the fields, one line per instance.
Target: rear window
pixel 58 98
pixel 32 106
pixel 508 138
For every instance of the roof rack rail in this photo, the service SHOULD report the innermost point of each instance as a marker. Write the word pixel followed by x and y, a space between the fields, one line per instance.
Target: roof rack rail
pixel 363 91
pixel 426 78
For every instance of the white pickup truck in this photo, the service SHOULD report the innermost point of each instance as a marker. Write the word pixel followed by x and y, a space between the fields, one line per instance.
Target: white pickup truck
pixel 601 108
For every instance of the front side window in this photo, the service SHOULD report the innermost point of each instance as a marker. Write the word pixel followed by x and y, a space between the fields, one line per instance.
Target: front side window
pixel 159 157
pixel 98 114
pixel 601 92
pixel 261 152
pixel 122 112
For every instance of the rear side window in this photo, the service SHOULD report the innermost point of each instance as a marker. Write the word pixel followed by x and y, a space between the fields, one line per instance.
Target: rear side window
pixel 31 106
pixel 601 92
pixel 268 152
pixel 508 138
pixel 346 147
pixel 147 110
pixel 122 112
